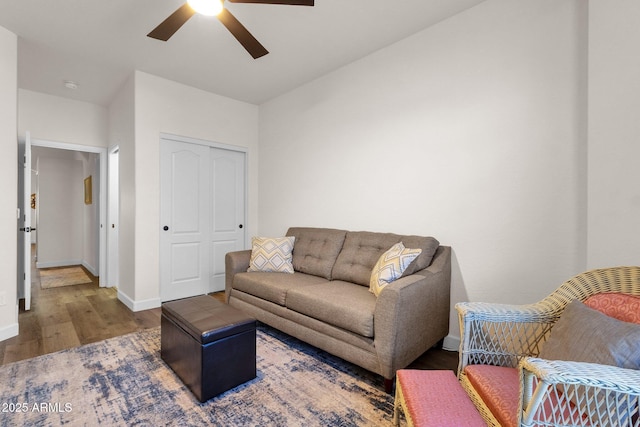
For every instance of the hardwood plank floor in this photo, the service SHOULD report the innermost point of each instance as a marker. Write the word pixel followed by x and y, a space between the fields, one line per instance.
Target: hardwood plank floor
pixel 70 316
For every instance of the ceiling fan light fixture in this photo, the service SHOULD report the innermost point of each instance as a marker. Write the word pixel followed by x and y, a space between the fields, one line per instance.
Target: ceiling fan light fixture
pixel 206 7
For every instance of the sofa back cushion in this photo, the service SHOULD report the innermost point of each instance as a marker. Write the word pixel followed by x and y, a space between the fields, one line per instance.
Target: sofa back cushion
pixel 316 249
pixel 362 249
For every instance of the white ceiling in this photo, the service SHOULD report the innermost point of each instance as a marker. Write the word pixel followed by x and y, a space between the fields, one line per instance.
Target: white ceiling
pixel 98 43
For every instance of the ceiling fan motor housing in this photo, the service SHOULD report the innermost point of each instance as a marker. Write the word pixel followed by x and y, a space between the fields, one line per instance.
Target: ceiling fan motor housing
pixel 177 19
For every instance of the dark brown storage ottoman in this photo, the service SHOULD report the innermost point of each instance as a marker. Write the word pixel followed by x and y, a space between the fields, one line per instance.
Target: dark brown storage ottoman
pixel 208 344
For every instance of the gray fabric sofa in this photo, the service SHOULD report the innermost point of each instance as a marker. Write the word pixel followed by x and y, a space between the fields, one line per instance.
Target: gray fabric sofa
pixel 326 302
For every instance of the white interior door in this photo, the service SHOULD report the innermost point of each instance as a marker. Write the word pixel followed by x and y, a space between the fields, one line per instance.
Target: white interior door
pixel 227 210
pixel 184 222
pixel 113 224
pixel 26 223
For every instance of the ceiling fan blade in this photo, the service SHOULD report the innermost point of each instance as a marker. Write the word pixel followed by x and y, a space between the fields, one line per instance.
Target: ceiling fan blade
pixel 169 26
pixel 243 35
pixel 289 2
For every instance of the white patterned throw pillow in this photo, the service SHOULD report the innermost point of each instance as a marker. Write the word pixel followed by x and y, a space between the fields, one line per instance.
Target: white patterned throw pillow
pixel 271 254
pixel 390 266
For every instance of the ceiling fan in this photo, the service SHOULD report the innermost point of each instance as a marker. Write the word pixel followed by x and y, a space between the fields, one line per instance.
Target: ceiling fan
pixel 169 26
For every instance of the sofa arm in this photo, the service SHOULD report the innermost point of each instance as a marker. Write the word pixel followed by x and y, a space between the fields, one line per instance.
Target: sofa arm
pixel 412 314
pixel 234 262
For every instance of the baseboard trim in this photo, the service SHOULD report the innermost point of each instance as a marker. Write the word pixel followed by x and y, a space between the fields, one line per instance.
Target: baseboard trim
pixel 58 264
pixel 138 305
pixel 451 343
pixel 91 268
pixel 9 331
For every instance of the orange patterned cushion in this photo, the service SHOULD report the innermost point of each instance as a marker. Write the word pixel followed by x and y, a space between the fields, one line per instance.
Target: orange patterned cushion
pixel 499 388
pixel 619 306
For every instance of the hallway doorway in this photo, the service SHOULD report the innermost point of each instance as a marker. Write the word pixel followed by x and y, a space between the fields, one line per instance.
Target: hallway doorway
pixel 68 203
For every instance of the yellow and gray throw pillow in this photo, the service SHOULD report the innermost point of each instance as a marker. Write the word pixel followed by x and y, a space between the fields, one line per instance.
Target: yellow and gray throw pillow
pixel 390 266
pixel 271 254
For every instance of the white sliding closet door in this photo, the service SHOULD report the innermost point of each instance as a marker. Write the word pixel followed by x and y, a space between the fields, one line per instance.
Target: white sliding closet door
pixel 202 216
pixel 227 210
pixel 184 207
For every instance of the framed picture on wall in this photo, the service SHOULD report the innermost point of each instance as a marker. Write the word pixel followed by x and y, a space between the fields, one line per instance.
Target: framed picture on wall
pixel 87 190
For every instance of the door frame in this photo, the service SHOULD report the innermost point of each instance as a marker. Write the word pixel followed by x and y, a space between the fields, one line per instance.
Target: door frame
pixel 24 238
pixel 113 217
pixel 213 144
pixel 102 155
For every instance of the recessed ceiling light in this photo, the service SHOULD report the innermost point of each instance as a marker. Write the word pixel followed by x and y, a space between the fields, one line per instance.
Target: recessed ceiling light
pixel 70 85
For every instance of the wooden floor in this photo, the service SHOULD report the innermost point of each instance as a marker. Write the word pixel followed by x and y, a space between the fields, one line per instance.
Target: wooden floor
pixel 71 316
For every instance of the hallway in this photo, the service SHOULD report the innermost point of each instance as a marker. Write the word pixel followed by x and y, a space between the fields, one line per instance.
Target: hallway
pixel 70 316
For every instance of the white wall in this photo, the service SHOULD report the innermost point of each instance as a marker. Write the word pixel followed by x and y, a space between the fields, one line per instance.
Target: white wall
pixel 163 106
pixel 122 133
pixel 471 131
pixel 614 133
pixel 58 119
pixel 9 182
pixel 60 208
pixel 91 213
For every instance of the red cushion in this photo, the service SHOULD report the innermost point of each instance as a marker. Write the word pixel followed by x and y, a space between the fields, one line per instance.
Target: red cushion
pixel 619 306
pixel 436 398
pixel 499 388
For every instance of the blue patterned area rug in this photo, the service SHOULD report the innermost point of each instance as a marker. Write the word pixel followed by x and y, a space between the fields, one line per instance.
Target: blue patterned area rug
pixel 124 382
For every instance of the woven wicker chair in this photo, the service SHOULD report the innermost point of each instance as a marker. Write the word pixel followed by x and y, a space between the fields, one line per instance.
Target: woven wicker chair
pixel 512 336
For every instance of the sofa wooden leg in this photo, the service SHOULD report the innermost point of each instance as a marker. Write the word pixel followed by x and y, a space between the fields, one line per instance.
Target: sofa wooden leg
pixel 388 385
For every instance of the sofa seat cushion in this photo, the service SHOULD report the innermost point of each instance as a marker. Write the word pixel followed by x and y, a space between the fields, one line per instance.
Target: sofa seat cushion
pixel 316 249
pixel 362 249
pixel 341 304
pixel 271 286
